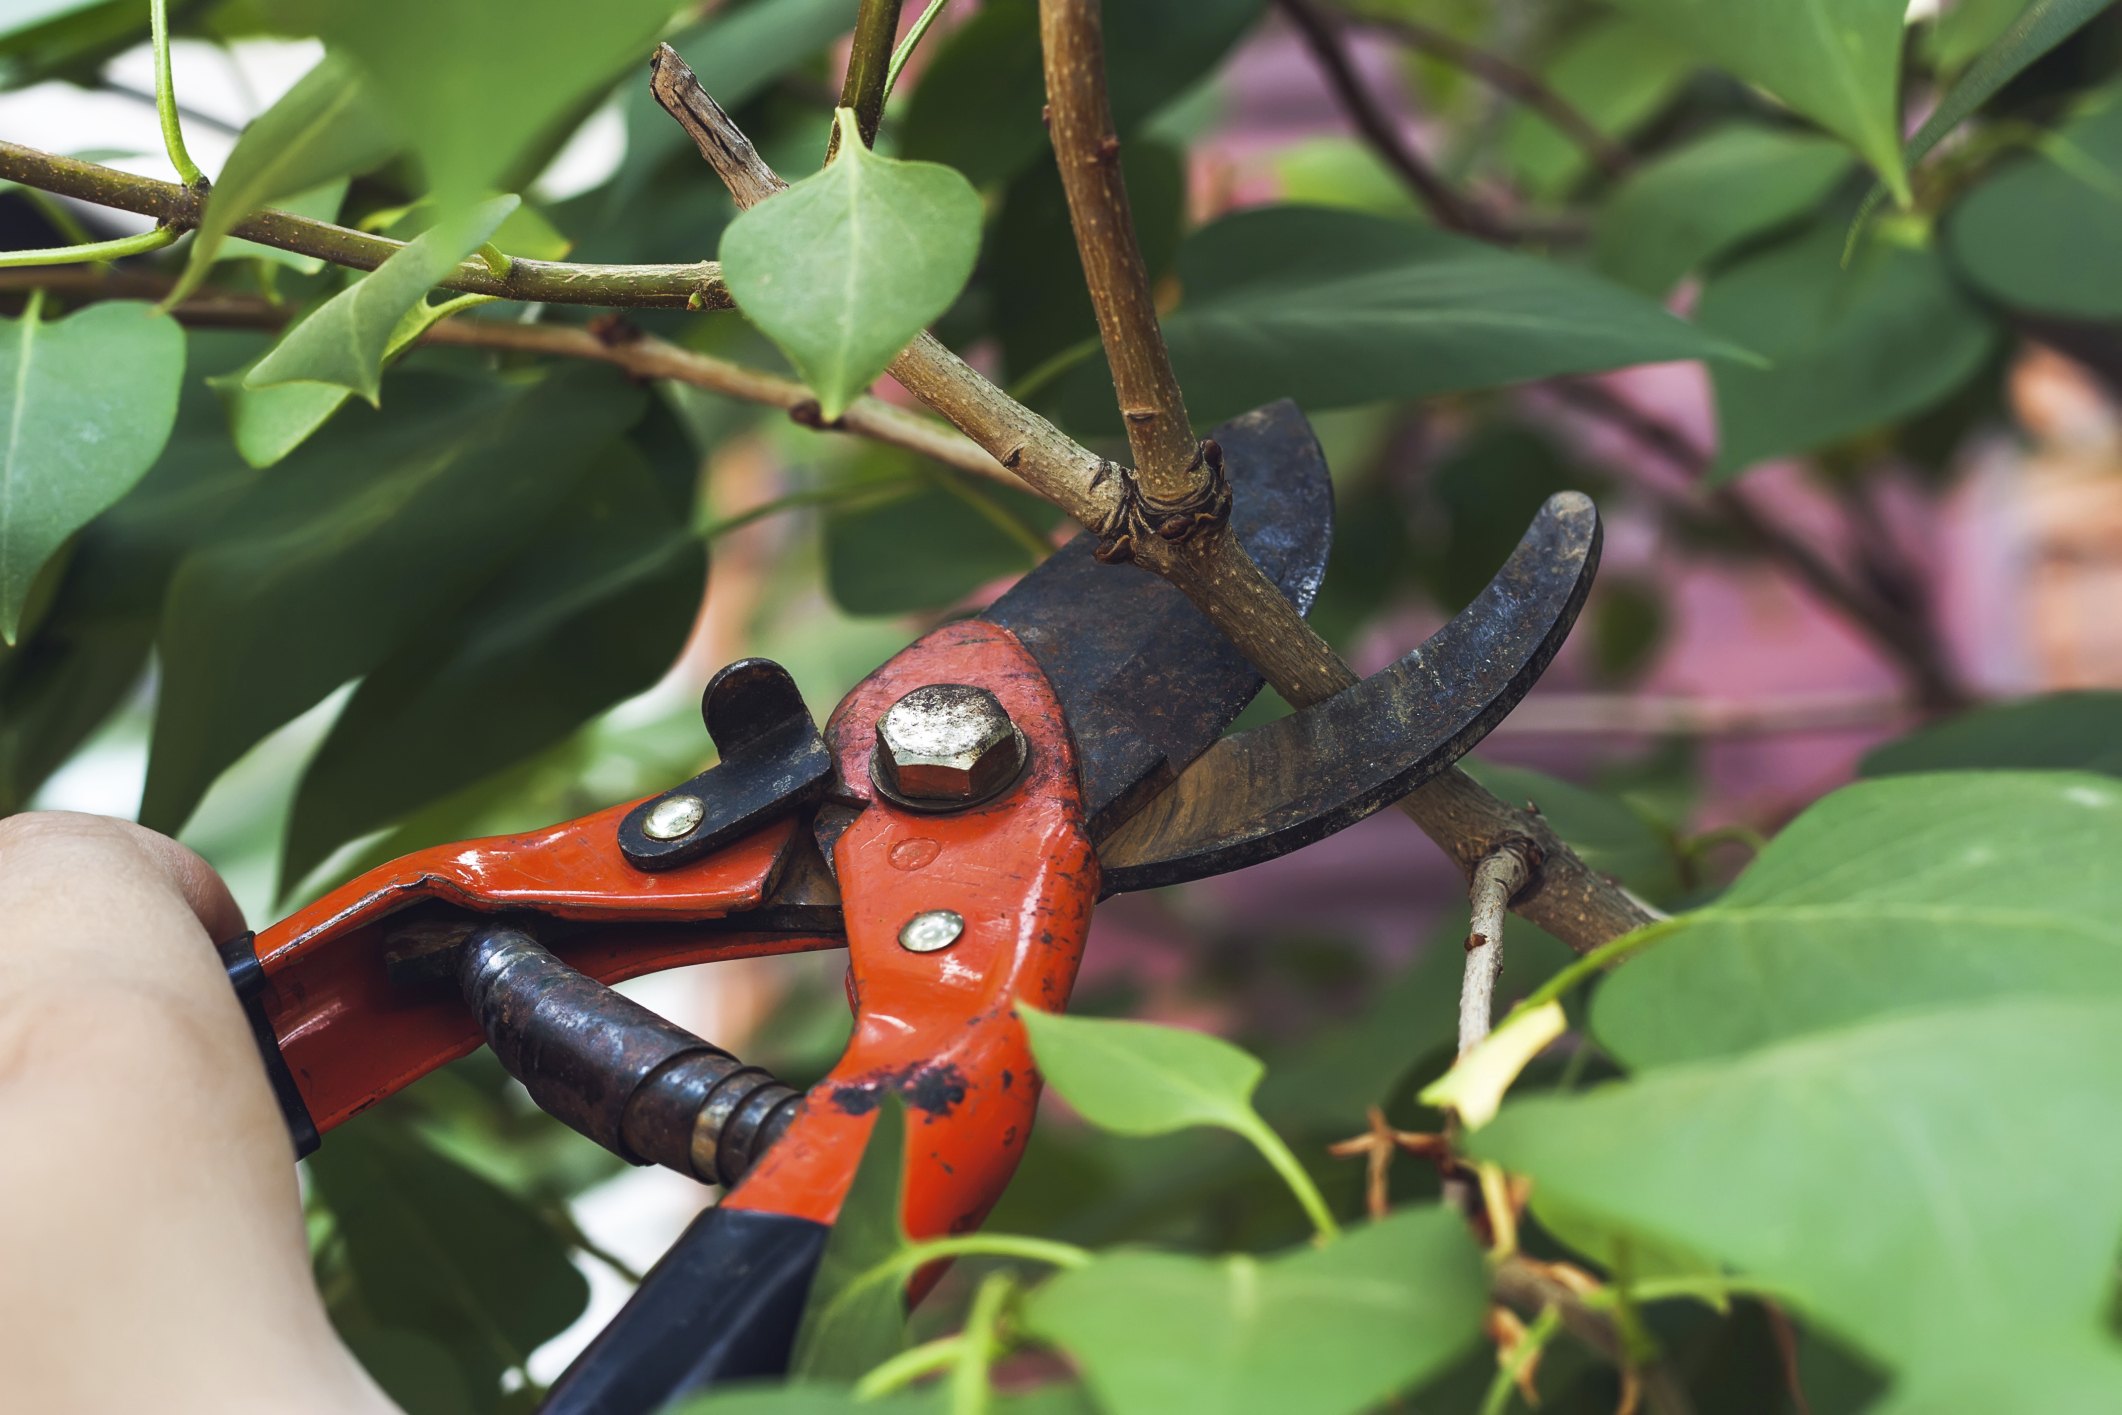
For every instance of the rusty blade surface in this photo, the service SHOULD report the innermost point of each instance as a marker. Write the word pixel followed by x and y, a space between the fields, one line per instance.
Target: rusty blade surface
pixel 1267 792
pixel 1146 682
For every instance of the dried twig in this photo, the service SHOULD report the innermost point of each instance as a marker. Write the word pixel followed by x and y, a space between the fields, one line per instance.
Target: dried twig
pixel 1446 206
pixel 1497 879
pixel 695 286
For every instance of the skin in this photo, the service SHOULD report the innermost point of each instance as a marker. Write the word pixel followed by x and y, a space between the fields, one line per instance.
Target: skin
pixel 149 1216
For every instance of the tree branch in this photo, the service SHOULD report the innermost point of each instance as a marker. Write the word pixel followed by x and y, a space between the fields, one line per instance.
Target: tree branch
pixel 1040 454
pixel 1569 899
pixel 1322 35
pixel 177 208
pixel 869 63
pixel 1169 467
pixel 1507 78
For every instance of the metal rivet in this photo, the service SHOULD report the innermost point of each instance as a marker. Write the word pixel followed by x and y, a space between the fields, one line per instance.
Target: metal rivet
pixel 673 816
pixel 931 930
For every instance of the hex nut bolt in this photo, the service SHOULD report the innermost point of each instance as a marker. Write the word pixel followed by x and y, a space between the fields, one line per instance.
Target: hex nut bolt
pixel 946 745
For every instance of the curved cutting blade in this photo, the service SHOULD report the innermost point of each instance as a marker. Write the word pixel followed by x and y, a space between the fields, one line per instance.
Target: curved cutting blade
pixel 1146 682
pixel 1267 792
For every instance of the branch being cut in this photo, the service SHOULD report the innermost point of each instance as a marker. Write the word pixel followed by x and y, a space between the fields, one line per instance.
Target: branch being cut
pixel 695 286
pixel 1569 899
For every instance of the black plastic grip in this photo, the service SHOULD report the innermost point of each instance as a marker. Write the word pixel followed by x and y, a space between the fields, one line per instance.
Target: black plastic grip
pixel 247 976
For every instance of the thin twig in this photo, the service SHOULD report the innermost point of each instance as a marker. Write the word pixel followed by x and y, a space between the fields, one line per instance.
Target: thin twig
pixel 639 354
pixel 177 208
pixel 1904 638
pixel 1497 880
pixel 1168 464
pixel 1570 900
pixel 1040 454
pixel 1447 207
pixel 1505 77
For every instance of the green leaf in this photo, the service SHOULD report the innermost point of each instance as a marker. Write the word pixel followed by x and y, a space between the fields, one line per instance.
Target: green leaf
pixel 1337 308
pixel 2039 28
pixel 1908 893
pixel 89 403
pixel 969 535
pixel 267 424
pixel 2060 732
pixel 1700 200
pixel 1618 73
pixel 344 341
pixel 318 203
pixel 469 94
pixel 1337 1328
pixel 1138 1078
pixel 2040 234
pixel 855 1318
pixel 1836 61
pixel 322 130
pixel 844 268
pixel 590 611
pixel 439 1251
pixel 1924 1186
pixel 1849 350
pixel 382 524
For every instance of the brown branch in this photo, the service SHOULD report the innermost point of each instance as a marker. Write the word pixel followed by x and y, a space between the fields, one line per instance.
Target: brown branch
pixel 694 286
pixel 869 62
pixel 638 354
pixel 1169 469
pixel 1322 35
pixel 1039 453
pixel 1569 900
pixel 1505 77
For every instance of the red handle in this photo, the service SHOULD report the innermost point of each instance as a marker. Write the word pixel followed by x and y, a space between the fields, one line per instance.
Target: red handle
pixel 937 1027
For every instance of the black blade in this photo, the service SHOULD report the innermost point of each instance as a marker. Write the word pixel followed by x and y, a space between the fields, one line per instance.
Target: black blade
pixel 1147 683
pixel 1267 792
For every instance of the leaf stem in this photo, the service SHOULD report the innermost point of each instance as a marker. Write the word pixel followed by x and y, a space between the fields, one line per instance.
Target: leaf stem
pixel 908 45
pixel 1052 1252
pixel 1276 1151
pixel 980 1344
pixel 151 240
pixel 902 1370
pixel 166 97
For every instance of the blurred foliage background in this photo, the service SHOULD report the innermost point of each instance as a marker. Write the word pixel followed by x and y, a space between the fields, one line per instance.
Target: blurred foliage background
pixel 1866 481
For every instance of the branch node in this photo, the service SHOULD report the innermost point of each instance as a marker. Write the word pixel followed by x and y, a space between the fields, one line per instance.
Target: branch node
pixel 1139 515
pixel 613 330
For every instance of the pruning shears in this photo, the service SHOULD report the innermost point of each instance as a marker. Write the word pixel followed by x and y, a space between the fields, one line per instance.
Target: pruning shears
pixel 952 827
